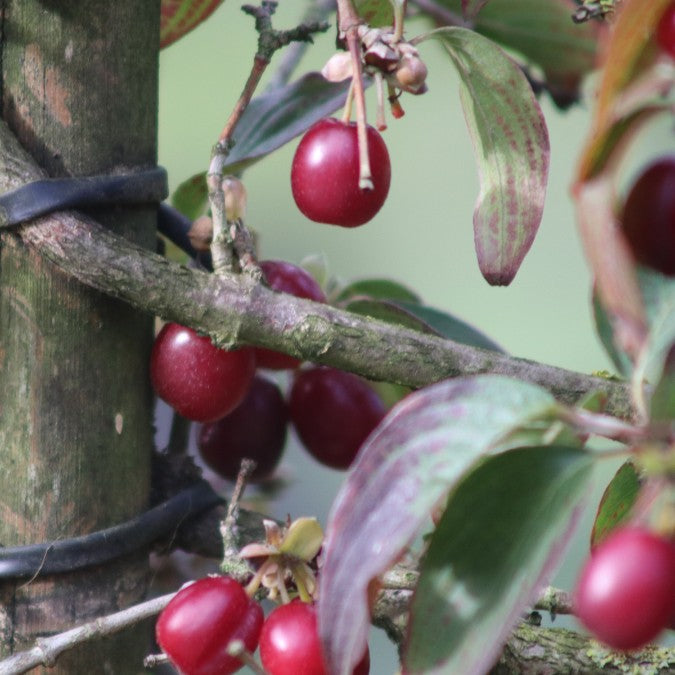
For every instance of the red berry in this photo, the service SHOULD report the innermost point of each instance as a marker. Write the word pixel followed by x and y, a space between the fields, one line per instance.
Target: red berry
pixel 325 174
pixel 256 429
pixel 626 592
pixel 665 31
pixel 648 219
pixel 333 413
pixel 198 380
pixel 199 623
pixel 286 278
pixel 289 643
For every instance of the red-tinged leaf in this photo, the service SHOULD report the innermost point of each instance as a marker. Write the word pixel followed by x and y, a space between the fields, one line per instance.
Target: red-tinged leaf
pixel 470 8
pixel 616 503
pixel 181 16
pixel 422 448
pixel 542 33
pixel 499 541
pixel 629 52
pixel 511 146
pixel 612 263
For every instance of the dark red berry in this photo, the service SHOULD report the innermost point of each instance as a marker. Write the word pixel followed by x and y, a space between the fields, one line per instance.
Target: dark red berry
pixel 648 219
pixel 286 278
pixel 199 623
pixel 333 413
pixel 289 643
pixel 256 429
pixel 626 591
pixel 665 31
pixel 325 174
pixel 198 380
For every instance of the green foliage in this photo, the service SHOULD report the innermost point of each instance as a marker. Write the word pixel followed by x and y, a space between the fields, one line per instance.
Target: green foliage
pixel 616 503
pixel 501 536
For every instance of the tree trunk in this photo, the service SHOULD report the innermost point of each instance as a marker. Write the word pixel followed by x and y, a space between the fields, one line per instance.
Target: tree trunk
pixel 79 89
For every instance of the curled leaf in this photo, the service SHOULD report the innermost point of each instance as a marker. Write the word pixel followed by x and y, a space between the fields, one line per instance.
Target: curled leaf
pixel 511 147
pixel 179 17
pixel 421 449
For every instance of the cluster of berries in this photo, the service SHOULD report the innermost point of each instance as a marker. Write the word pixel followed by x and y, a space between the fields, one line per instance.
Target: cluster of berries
pixel 246 414
pixel 209 621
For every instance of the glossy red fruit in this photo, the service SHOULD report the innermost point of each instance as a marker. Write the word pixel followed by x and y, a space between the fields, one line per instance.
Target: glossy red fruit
pixel 199 623
pixel 286 278
pixel 648 219
pixel 333 413
pixel 198 380
pixel 325 174
pixel 665 31
pixel 289 643
pixel 256 429
pixel 626 591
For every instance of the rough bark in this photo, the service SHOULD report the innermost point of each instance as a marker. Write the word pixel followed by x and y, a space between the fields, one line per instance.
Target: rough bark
pixel 79 89
pixel 234 309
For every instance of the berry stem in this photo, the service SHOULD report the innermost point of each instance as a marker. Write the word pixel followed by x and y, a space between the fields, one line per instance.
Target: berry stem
pixel 237 649
pixel 349 23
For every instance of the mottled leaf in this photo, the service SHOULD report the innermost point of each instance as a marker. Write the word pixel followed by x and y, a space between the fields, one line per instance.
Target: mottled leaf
pixel 422 448
pixel 511 146
pixel 616 503
pixel 500 539
pixel 181 16
pixel 543 33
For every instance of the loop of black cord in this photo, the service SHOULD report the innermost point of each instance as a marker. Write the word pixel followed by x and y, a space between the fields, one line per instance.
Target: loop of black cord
pixel 39 198
pixel 98 548
pixel 56 194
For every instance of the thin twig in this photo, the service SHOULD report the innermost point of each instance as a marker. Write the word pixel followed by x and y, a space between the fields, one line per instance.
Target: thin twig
pixel 47 650
pixel 316 13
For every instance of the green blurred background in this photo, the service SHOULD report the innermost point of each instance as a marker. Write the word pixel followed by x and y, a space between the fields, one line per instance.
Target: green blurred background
pixel 422 237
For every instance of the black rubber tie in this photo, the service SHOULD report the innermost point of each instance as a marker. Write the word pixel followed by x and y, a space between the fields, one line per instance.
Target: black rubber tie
pixel 56 194
pixel 97 548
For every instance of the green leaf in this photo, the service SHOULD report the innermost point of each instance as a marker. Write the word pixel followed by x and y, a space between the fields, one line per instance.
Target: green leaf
pixel 511 146
pixel 378 289
pixel 655 361
pixel 181 16
pixel 191 196
pixel 270 121
pixel 499 541
pixel 603 328
pixel 470 8
pixel 274 118
pixel 376 13
pixel 421 449
pixel 451 327
pixel 616 503
pixel 543 33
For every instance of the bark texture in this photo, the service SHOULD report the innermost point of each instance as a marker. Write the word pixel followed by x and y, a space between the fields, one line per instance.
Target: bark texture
pixel 79 89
